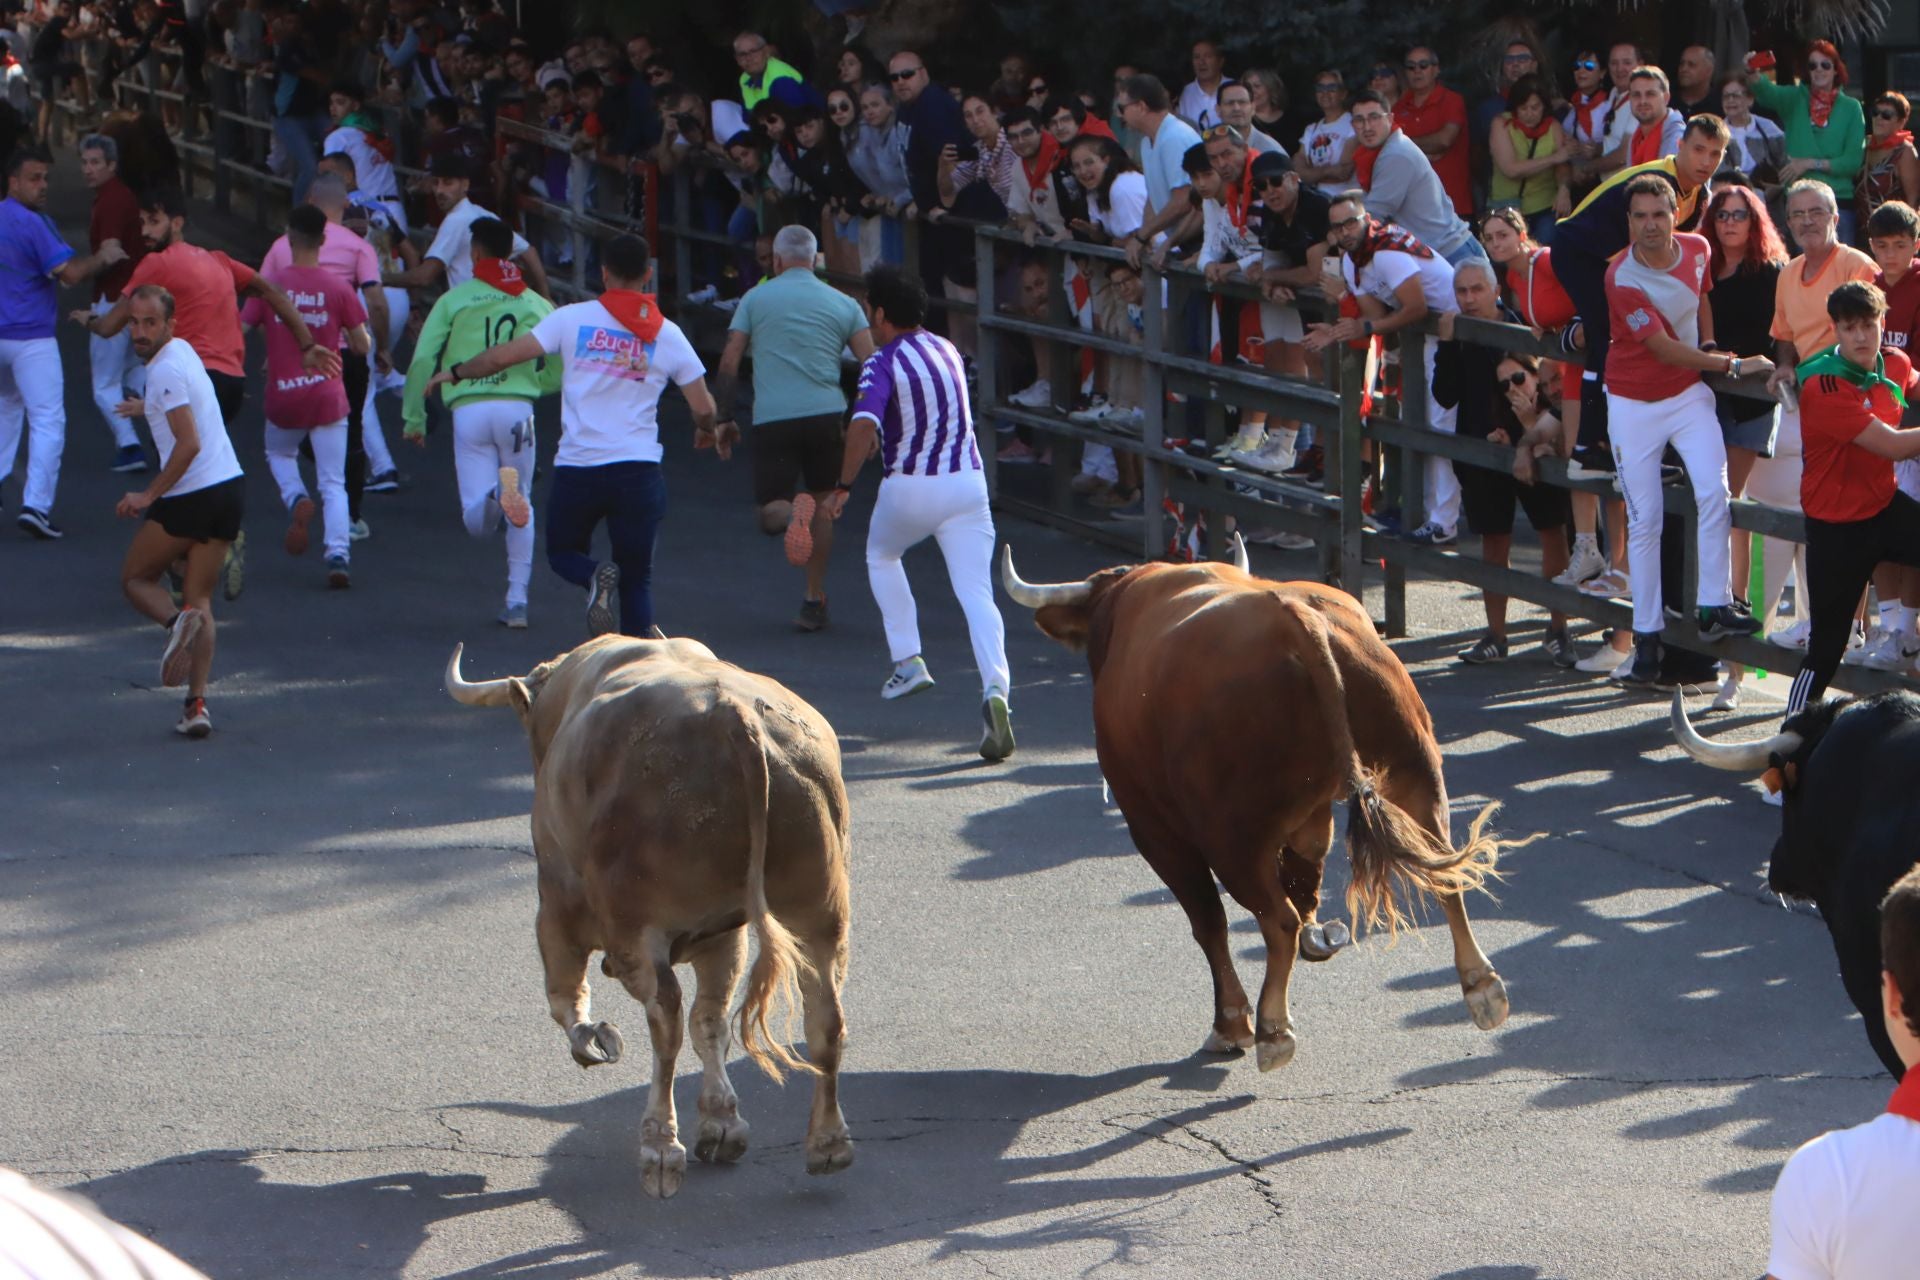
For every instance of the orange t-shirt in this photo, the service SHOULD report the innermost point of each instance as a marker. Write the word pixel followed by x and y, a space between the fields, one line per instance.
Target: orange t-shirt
pixel 206 301
pixel 1800 308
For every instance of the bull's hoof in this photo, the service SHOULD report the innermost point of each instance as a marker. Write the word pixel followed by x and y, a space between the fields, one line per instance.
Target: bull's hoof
pixel 829 1152
pixel 1486 999
pixel 662 1169
pixel 1275 1053
pixel 595 1043
pixel 1323 941
pixel 720 1139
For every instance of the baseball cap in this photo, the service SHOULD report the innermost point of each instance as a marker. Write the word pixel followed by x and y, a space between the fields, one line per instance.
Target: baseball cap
pixel 1271 164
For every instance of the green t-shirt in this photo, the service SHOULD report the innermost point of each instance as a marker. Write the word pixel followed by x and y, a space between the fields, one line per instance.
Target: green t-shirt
pixel 798 325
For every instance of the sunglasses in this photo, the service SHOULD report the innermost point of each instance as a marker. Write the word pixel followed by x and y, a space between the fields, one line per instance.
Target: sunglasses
pixel 1732 215
pixel 838 107
pixel 1420 64
pixel 1518 378
pixel 1040 87
pixel 1887 113
pixel 1382 71
pixel 1328 88
pixel 1586 64
pixel 1269 184
pixel 908 74
pixel 1819 65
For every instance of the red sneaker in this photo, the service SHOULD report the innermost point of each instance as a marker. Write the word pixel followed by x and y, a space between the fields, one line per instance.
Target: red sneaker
pixel 800 531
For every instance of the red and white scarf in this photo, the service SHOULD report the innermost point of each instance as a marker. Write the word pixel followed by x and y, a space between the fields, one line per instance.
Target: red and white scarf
pixel 1385 235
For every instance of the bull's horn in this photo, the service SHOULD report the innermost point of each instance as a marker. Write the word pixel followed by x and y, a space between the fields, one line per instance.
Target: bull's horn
pixel 1737 757
pixel 488 693
pixel 1036 596
pixel 1240 560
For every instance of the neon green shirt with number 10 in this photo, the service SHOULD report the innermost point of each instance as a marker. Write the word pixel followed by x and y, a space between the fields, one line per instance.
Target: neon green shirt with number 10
pixel 464 322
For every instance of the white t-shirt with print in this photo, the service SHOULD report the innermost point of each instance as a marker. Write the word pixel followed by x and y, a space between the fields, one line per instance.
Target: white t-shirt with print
pixel 1322 144
pixel 1843 1208
pixel 453 242
pixel 175 377
pixel 1391 268
pixel 611 384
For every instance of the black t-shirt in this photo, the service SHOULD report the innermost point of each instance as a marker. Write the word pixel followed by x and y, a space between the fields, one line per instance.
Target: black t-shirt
pixel 1293 237
pixel 1465 379
pixel 1743 325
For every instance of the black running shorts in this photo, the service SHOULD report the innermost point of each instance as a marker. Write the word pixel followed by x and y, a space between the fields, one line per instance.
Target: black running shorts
pixel 806 452
pixel 211 514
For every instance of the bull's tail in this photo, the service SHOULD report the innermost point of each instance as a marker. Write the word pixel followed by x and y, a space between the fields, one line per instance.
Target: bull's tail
pixel 773 982
pixel 1395 859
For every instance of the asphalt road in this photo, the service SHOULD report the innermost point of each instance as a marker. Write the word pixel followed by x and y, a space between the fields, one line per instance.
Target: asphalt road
pixel 273 998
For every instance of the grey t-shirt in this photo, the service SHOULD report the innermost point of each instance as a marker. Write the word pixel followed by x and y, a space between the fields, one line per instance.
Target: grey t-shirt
pixel 798 324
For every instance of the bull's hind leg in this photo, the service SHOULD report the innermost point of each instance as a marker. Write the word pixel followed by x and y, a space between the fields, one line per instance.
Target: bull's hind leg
pixel 565 957
pixel 829 1144
pixel 648 974
pixel 1302 863
pixel 1480 985
pixel 717 963
pixel 1256 886
pixel 1186 874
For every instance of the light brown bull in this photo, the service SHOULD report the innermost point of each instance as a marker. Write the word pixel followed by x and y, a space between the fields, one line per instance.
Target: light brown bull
pixel 1230 715
pixel 678 799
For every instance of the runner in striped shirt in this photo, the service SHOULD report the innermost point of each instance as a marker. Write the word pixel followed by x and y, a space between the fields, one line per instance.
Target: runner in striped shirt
pixel 912 409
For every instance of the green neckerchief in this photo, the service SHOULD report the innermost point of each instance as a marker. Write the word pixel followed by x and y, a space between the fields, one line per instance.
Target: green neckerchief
pixel 365 122
pixel 1831 363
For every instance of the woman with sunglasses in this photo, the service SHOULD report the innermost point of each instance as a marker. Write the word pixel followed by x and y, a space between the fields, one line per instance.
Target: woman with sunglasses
pixel 1325 158
pixel 1826 130
pixel 1384 79
pixel 1892 166
pixel 841 227
pixel 1531 168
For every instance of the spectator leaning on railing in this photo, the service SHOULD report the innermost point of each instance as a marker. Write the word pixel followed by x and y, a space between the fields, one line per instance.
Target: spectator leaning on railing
pixel 1401 186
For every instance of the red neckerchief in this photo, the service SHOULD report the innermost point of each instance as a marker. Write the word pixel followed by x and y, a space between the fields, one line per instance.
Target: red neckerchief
pixel 1040 167
pixel 1893 143
pixel 1645 144
pixel 638 313
pixel 1820 105
pixel 1583 109
pixel 501 273
pixel 1239 200
pixel 1906 1099
pixel 1096 126
pixel 1363 158
pixel 1385 235
pixel 1532 132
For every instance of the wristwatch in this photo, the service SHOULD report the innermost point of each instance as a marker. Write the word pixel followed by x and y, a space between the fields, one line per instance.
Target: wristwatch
pixel 453 371
pixel 1733 366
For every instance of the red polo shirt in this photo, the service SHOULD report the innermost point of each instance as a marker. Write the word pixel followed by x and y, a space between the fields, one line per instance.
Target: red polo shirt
pixel 1839 481
pixel 1442 108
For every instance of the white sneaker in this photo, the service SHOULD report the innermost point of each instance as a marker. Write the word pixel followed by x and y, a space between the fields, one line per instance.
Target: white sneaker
pixel 1794 637
pixel 909 677
pixel 1274 456
pixel 1246 440
pixel 1587 563
pixel 1132 420
pixel 1603 661
pixel 1037 396
pixel 1092 414
pixel 1728 699
pixel 1880 650
pixel 1285 541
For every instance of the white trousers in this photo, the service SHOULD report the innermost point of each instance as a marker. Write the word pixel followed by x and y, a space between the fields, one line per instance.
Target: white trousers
pixel 329 470
pixel 32 394
pixel 1440 488
pixel 1641 431
pixel 952 510
pixel 373 436
pixel 489 435
pixel 117 375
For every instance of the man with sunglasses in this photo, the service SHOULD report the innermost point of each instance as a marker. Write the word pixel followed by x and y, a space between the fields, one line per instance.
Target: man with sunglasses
pixel 1402 185
pixel 1588 109
pixel 1434 118
pixel 934 123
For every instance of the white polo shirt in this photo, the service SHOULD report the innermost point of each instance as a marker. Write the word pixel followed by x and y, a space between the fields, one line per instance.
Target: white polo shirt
pixel 453 243
pixel 1847 1205
pixel 611 383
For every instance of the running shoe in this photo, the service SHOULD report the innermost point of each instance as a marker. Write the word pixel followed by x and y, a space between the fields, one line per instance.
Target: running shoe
pixel 297 521
pixel 908 677
pixel 514 617
pixel 1037 396
pixel 387 481
pixel 1592 462
pixel 1431 534
pixel 600 616
pixel 1559 647
pixel 129 459
pixel 1307 463
pixel 1248 438
pixel 1587 563
pixel 1645 668
pixel 1095 412
pixel 1879 652
pixel 1285 541
pixel 39 524
pixel 194 720
pixel 800 530
pixel 358 531
pixel 233 568
pixel 1487 649
pixel 176 661
pixel 513 503
pixel 1719 621
pixel 1728 699
pixel 997 742
pixel 1794 637
pixel 1603 661
pixel 812 615
pixel 339 578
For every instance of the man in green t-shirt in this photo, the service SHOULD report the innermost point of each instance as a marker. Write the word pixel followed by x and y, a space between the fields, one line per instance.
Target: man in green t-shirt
pixel 798 326
pixel 492 416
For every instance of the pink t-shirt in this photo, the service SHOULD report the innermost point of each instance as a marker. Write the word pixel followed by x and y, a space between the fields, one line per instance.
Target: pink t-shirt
pixel 349 257
pixel 298 399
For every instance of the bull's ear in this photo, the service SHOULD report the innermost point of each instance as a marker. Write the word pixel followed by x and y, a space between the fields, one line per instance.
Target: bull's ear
pixel 1065 623
pixel 520 693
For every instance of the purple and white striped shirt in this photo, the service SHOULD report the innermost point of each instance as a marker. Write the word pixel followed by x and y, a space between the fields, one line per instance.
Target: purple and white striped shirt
pixel 915 390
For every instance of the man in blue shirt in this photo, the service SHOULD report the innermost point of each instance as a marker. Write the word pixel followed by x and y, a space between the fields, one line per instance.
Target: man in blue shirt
pixel 32 388
pixel 1164 139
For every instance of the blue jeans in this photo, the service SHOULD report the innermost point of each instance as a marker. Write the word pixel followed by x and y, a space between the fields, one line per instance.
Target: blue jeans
pixel 300 138
pixel 631 497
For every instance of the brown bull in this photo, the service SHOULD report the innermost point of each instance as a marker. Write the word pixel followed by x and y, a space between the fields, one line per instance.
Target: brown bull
pixel 1230 715
pixel 678 799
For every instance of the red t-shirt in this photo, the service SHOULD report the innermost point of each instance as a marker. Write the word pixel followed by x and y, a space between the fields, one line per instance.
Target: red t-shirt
pixel 1642 300
pixel 116 216
pixel 1839 481
pixel 1544 302
pixel 1903 310
pixel 1443 107
pixel 295 397
pixel 206 304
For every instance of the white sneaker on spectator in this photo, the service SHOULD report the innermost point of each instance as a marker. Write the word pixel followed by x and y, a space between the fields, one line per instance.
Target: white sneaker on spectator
pixel 1880 652
pixel 1285 541
pixel 1274 456
pixel 1793 637
pixel 1248 438
pixel 1587 562
pixel 1037 396
pixel 1093 414
pixel 1728 699
pixel 1132 420
pixel 1603 661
